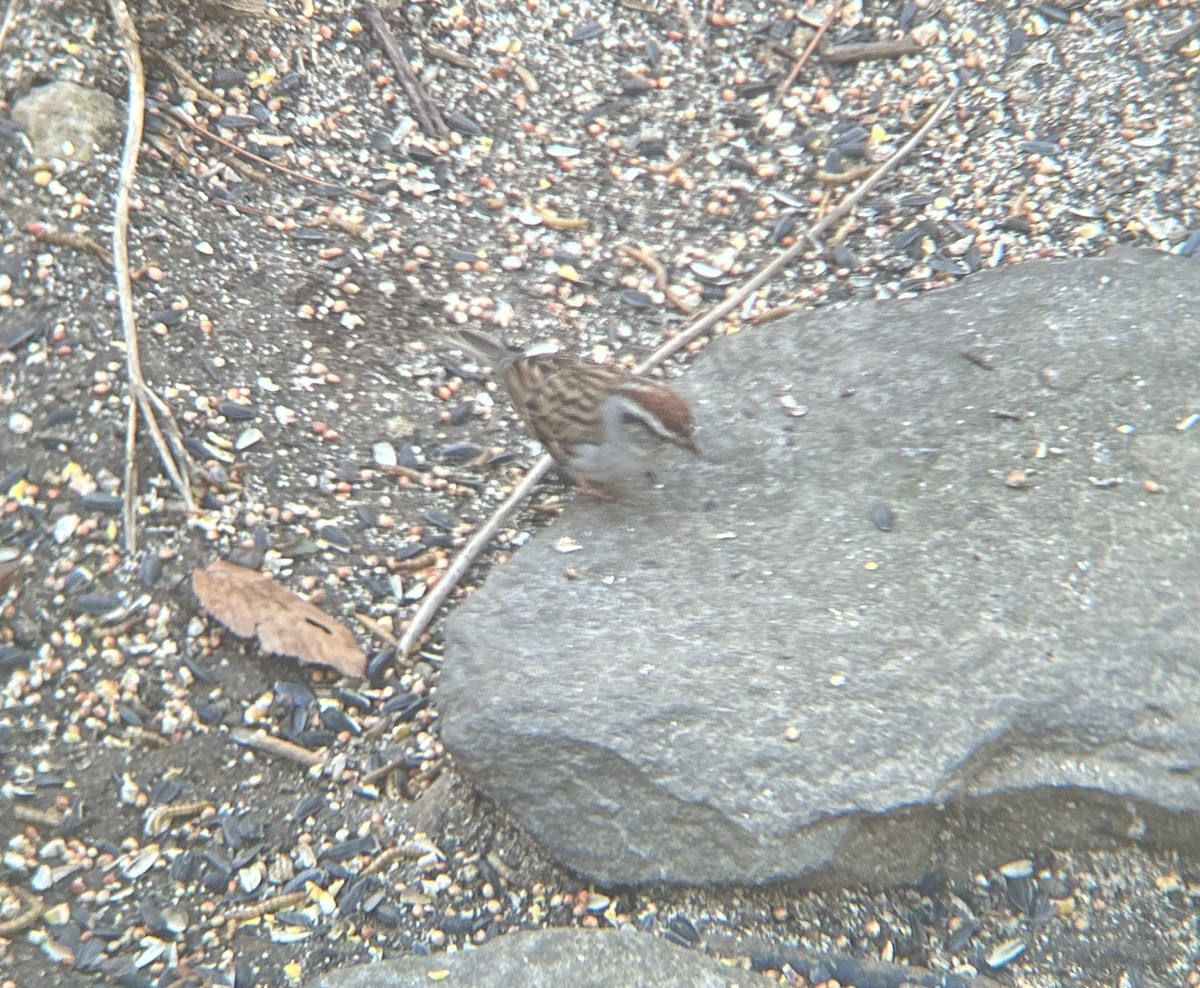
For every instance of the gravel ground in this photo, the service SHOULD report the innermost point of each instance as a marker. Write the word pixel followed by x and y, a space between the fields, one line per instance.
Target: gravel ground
pixel 606 170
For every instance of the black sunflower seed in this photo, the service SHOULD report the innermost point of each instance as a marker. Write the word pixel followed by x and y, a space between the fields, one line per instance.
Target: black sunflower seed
pixel 347 849
pixel 20 336
pixel 108 504
pixel 588 31
pixel 237 412
pixel 439 518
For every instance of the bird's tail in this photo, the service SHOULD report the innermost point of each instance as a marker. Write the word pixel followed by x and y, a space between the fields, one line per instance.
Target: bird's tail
pixel 490 348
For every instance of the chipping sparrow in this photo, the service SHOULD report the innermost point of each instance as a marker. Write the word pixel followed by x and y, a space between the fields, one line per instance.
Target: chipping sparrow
pixel 599 421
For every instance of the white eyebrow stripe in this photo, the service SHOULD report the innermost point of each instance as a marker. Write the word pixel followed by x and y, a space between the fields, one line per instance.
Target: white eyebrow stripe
pixel 633 410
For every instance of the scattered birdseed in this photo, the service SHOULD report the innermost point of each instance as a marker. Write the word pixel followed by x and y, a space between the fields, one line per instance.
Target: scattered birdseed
pixel 604 170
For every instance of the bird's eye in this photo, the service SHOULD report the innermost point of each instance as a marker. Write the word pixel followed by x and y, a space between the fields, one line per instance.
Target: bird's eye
pixel 633 418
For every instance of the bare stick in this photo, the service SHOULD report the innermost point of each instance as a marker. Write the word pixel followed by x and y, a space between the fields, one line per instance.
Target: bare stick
pixel 683 7
pixel 138 391
pixel 120 249
pixel 454 573
pixel 834 12
pixel 127 497
pixel 864 51
pixel 182 118
pixel 172 440
pixel 269 744
pixel 370 778
pixel 479 541
pixel 185 77
pixel 428 115
pixel 10 15
pixel 788 256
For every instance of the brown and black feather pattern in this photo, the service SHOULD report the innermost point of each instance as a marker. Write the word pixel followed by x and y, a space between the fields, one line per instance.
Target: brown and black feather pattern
pixel 570 386
pixel 565 401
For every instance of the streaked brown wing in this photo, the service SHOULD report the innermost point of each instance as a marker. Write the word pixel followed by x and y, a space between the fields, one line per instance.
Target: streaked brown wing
pixel 571 387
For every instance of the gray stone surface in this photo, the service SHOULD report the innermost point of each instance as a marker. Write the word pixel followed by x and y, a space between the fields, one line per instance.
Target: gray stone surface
pixel 553 958
pixel 67 120
pixel 743 679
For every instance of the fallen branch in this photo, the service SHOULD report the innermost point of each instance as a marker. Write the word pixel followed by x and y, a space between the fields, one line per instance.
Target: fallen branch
pixel 466 557
pixel 865 51
pixel 187 79
pixel 432 602
pixel 834 12
pixel 10 15
pixel 269 744
pixel 684 9
pixel 428 115
pixel 31 912
pixel 141 399
pixel 67 238
pixel 809 235
pixel 180 117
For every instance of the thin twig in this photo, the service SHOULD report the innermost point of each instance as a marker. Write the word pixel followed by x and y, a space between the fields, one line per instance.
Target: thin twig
pixel 279 747
pixel 428 115
pixel 684 9
pixel 466 556
pixel 186 77
pixel 864 51
pixel 175 466
pixel 31 912
pixel 834 13
pixel 131 46
pixel 788 256
pixel 370 778
pixel 180 117
pixel 10 15
pixel 174 437
pixel 69 238
pixel 127 499
pixel 433 600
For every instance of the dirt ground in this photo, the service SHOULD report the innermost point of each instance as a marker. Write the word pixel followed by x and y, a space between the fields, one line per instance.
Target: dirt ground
pixel 604 172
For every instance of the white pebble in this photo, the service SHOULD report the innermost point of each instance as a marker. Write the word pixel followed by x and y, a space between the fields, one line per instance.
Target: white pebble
pixel 385 454
pixel 20 423
pixel 65 527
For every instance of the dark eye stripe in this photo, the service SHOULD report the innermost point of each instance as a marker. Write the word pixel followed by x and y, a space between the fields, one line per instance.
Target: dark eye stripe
pixel 647 422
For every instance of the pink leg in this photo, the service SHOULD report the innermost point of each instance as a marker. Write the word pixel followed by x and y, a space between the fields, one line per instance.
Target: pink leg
pixel 597 492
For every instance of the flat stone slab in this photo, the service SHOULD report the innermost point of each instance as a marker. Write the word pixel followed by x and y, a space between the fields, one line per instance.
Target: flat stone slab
pixel 741 677
pixel 552 958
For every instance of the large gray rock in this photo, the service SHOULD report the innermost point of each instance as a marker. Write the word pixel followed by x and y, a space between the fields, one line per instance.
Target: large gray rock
pixel 744 679
pixel 550 959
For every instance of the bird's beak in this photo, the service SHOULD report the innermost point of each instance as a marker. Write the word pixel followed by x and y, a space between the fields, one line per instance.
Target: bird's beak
pixel 689 444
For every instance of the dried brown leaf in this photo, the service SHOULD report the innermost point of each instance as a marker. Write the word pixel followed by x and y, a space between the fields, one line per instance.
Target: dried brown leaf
pixel 251 603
